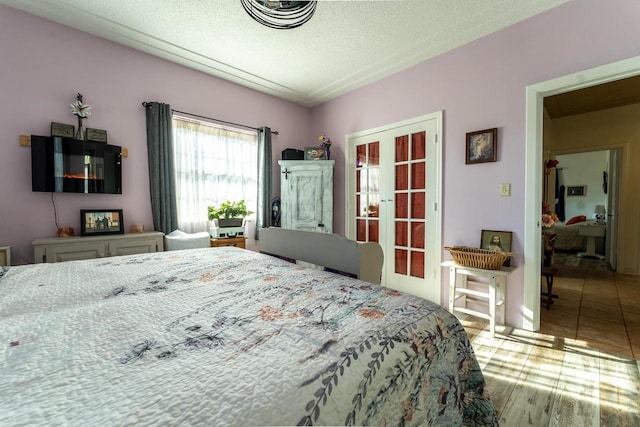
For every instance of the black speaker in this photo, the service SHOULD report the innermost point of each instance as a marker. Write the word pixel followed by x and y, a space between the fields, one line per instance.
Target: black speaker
pixel 292 154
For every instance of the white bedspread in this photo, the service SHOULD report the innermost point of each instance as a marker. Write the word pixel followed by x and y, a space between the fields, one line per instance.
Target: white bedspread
pixel 226 337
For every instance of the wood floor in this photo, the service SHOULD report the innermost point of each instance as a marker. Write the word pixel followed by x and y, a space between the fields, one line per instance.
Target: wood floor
pixel 537 380
pixel 579 369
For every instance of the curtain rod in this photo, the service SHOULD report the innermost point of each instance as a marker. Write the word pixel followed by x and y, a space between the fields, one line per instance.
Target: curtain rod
pixel 275 132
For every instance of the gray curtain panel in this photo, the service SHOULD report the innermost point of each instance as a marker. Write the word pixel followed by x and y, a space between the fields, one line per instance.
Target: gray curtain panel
pixel 263 215
pixel 161 167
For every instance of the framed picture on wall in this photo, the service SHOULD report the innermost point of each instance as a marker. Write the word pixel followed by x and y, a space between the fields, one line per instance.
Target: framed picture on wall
pixel 95 222
pixel 577 190
pixel 482 146
pixel 499 241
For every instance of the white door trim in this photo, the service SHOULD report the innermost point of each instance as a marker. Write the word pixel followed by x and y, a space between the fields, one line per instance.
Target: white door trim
pixel 436 255
pixel 535 95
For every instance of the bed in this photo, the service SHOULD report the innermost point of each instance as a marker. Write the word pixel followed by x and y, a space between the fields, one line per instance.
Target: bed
pixel 569 239
pixel 226 336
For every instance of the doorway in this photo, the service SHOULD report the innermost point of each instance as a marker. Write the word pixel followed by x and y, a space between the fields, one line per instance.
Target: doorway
pixel 393 197
pixel 533 173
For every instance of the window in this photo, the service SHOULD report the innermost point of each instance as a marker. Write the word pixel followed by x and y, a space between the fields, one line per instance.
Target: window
pixel 212 164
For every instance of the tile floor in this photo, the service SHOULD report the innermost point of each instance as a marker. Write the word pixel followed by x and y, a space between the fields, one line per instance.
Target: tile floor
pixel 597 307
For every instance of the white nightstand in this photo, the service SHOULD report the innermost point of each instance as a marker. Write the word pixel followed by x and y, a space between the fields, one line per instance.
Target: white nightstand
pixel 591 231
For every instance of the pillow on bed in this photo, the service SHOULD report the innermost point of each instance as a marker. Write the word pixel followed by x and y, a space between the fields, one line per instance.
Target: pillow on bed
pixel 576 219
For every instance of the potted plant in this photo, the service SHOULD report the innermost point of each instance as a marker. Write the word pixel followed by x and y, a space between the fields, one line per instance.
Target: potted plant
pixel 229 214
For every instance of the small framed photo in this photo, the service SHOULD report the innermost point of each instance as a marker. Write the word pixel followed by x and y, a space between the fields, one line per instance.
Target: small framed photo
pixel 499 241
pixel 95 222
pixel 577 190
pixel 60 129
pixel 315 153
pixel 482 146
pixel 96 135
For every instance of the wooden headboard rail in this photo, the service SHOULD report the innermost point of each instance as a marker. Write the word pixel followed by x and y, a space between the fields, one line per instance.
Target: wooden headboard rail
pixel 364 260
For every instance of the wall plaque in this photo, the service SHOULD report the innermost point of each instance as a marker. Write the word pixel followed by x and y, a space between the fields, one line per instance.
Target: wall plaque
pixel 60 129
pixel 96 135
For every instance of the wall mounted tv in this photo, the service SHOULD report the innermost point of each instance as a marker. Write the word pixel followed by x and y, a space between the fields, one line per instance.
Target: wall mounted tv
pixel 66 165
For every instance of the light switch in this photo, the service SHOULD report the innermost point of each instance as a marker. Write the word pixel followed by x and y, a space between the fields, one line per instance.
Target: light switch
pixel 505 189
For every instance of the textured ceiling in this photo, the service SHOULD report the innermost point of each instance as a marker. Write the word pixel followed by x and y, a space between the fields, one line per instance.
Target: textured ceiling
pixel 346 45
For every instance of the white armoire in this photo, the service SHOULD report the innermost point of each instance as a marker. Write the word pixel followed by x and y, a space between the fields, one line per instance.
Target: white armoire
pixel 306 195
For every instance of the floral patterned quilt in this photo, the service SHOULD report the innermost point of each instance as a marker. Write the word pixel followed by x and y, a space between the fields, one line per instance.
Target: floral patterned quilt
pixel 226 337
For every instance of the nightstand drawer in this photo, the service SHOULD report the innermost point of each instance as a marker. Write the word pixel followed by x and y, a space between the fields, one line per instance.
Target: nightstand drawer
pixel 230 241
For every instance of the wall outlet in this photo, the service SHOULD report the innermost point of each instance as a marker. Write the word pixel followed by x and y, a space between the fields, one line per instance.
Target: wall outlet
pixel 505 189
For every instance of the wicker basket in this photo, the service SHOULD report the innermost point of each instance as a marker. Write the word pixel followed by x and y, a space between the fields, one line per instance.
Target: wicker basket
pixel 478 258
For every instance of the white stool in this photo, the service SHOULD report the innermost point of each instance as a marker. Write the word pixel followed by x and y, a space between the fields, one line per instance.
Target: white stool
pixel 494 296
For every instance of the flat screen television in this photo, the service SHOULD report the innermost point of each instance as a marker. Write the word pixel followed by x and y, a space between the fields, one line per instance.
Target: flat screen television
pixel 66 165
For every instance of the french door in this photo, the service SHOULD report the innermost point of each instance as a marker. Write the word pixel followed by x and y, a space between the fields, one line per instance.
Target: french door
pixel 393 191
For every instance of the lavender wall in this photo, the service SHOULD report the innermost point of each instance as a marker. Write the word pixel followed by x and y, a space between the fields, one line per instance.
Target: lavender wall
pixel 43 65
pixel 482 85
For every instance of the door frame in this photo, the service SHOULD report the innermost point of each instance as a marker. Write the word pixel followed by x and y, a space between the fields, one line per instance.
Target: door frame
pixel 535 95
pixel 436 255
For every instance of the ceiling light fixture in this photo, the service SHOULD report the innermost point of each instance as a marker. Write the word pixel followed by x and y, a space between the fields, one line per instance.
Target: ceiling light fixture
pixel 281 15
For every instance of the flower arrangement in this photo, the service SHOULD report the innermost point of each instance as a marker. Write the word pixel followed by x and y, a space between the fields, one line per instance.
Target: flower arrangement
pixel 548 216
pixel 82 111
pixel 325 141
pixel 551 163
pixel 79 109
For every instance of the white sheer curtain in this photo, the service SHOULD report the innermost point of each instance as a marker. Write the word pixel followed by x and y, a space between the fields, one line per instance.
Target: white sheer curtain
pixel 213 164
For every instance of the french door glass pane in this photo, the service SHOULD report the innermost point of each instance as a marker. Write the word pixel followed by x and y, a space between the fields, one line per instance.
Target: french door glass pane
pixel 417 235
pixel 401 261
pixel 418 146
pixel 417 205
pixel 402 148
pixel 361 156
pixel 402 233
pixel 417 264
pixel 374 153
pixel 418 176
pixel 402 205
pixel 361 226
pixel 367 191
pixel 402 177
pixel 374 234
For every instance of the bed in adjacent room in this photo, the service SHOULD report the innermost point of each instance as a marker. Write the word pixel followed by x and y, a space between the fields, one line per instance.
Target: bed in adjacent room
pixel 568 236
pixel 226 336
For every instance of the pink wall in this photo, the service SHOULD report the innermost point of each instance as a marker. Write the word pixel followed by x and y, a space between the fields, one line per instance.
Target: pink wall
pixel 478 86
pixel 43 65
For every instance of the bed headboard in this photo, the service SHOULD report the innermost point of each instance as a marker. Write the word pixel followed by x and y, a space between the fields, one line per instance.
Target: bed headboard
pixel 364 260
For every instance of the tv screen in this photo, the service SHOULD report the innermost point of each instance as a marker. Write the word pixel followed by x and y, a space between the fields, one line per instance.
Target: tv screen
pixel 65 165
